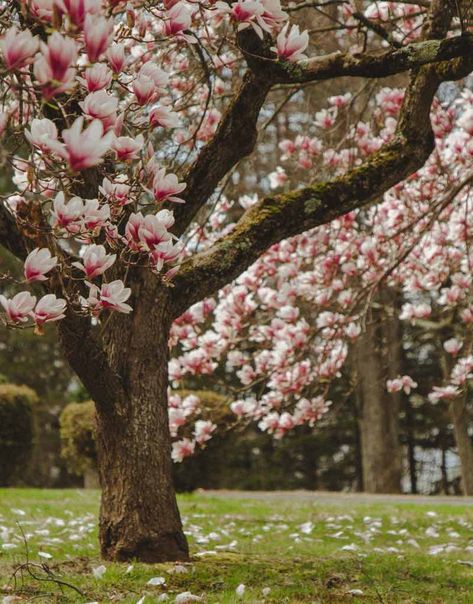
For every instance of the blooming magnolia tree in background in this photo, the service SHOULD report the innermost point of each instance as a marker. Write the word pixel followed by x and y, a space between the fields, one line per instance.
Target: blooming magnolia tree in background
pixel 121 123
pixel 286 326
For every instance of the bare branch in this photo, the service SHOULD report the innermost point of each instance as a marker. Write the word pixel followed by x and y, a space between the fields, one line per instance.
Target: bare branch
pixel 235 138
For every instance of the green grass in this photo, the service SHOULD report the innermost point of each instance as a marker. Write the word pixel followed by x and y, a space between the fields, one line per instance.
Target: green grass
pixel 391 552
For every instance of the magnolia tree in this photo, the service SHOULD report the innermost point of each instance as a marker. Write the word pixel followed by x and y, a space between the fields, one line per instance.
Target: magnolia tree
pixel 119 124
pixel 286 326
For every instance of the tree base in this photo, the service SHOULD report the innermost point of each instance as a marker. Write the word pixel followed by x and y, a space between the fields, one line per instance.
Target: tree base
pixel 169 547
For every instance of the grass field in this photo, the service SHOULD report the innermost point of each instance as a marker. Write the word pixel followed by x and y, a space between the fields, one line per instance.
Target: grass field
pixel 280 550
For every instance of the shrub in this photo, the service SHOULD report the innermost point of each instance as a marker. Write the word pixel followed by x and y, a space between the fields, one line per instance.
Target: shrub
pixel 78 434
pixel 16 429
pixel 78 429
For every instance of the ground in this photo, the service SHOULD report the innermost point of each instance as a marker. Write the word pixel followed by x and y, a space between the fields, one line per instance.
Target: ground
pixel 287 548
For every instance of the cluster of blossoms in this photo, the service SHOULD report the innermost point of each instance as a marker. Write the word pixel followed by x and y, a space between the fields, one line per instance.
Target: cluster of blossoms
pixel 101 89
pixel 105 107
pixel 181 410
pixel 284 329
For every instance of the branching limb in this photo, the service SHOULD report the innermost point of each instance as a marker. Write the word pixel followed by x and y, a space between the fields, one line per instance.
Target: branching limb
pixel 278 217
pixel 374 64
pixel 235 138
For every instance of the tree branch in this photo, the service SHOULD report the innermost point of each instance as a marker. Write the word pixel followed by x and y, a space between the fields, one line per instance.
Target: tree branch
pixel 236 135
pixel 278 217
pixel 374 64
pixel 10 237
pixel 234 139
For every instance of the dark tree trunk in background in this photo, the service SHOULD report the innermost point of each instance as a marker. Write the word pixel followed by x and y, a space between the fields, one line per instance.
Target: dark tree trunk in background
pixel 377 359
pixel 464 443
pixel 411 445
pixel 357 441
pixel 139 517
pixel 443 470
pixel 461 421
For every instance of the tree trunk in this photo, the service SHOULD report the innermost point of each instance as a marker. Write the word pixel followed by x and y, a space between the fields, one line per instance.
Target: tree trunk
pixel 463 442
pixel 379 411
pixel 444 471
pixel 139 517
pixel 411 444
pixel 461 421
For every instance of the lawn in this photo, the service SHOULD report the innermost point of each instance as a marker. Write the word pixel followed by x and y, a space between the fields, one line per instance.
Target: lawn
pixel 279 550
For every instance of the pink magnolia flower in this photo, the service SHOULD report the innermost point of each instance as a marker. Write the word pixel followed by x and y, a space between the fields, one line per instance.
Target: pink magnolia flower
pixel 49 308
pixel 97 77
pixel 127 148
pixel 117 191
pixel 177 418
pixel 291 43
pixel 166 252
pixel 182 449
pixel 102 106
pixel 78 9
pixel 203 430
pixel 96 215
pixel 246 13
pixel 443 393
pixel 144 89
pixel 98 35
pixel 67 215
pixel 152 230
pixel 19 307
pixel 49 86
pixel 95 261
pixel 179 19
pixel 116 57
pixel 42 10
pixel 273 14
pixel 84 148
pixel 165 187
pixel 405 383
pixel 38 263
pixel 278 178
pixel 41 133
pixel 162 116
pixel 132 230
pixel 111 296
pixel 114 295
pixel 453 346
pixel 18 48
pixel 159 76
pixel 57 56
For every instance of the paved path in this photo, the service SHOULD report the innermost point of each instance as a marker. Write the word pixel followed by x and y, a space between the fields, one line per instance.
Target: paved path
pixel 326 497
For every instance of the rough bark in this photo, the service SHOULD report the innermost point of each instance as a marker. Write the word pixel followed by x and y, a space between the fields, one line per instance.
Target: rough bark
pixel 375 64
pixel 139 517
pixel 379 413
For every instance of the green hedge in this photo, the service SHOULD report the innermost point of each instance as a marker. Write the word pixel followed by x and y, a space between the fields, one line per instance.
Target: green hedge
pixel 78 428
pixel 16 430
pixel 78 431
